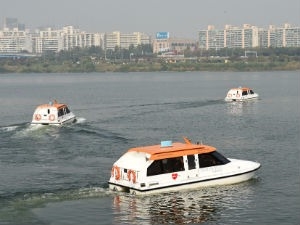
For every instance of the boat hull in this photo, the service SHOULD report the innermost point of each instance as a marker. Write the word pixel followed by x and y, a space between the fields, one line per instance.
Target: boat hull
pixel 56 123
pixel 231 179
pixel 241 99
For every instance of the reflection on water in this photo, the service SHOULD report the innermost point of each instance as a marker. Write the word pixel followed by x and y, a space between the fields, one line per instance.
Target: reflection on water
pixel 195 206
pixel 238 108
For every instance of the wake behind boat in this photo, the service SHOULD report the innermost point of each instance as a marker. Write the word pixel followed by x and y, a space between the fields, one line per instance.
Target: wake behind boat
pixel 53 113
pixel 175 166
pixel 240 94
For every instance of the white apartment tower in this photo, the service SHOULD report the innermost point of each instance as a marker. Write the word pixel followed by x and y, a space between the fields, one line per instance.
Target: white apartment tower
pixel 124 40
pixel 15 41
pixel 249 36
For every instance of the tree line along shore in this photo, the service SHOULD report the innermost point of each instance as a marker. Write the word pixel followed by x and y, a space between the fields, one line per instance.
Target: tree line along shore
pixel 96 60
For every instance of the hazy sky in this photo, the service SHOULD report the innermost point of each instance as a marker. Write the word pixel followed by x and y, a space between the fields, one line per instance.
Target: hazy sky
pixel 181 18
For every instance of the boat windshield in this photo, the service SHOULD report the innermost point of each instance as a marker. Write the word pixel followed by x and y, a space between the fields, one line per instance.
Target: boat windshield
pixel 211 159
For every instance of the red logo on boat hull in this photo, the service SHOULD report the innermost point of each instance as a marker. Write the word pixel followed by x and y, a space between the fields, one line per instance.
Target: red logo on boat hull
pixel 174 176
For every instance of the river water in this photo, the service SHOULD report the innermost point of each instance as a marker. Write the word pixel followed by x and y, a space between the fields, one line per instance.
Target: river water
pixel 58 175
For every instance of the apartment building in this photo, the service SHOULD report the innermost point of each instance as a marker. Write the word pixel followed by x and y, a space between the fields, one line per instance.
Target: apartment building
pixel 233 37
pixel 292 37
pixel 286 36
pixel 249 36
pixel 47 40
pixel 15 41
pixel 14 38
pixel 125 40
pixel 263 35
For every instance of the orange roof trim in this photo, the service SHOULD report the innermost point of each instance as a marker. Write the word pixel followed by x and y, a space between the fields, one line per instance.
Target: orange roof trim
pixel 239 88
pixel 176 150
pixel 55 105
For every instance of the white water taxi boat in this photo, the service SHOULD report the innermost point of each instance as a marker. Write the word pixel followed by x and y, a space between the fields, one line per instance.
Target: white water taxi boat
pixel 53 113
pixel 240 94
pixel 175 166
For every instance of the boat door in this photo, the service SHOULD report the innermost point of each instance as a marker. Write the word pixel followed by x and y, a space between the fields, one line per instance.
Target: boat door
pixel 191 165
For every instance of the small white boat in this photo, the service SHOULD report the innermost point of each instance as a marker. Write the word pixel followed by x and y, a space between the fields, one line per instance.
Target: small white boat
pixel 240 94
pixel 175 166
pixel 53 113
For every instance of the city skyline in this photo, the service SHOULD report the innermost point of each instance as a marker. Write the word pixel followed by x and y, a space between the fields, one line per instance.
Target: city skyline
pixel 180 19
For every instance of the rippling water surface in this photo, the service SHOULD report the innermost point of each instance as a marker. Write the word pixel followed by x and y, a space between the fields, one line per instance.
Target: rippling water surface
pixel 58 175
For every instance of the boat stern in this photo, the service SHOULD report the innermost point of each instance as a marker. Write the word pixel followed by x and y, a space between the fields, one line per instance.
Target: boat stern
pixel 52 114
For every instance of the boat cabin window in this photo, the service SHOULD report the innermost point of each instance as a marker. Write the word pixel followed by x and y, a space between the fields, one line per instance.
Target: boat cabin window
pixel 191 162
pixel 251 92
pixel 211 159
pixel 244 93
pixel 165 166
pixel 48 111
pixel 67 110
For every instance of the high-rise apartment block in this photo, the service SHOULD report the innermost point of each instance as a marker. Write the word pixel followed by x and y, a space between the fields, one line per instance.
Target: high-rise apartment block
pixel 64 39
pixel 125 40
pixel 14 41
pixel 249 36
pixel 14 38
pixel 67 38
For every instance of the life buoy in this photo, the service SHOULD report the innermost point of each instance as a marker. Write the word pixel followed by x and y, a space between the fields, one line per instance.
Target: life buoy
pixel 238 95
pixel 51 117
pixel 229 95
pixel 115 172
pixel 37 117
pixel 131 176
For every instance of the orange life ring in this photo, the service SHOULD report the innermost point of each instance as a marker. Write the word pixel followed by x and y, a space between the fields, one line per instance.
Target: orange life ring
pixel 238 95
pixel 131 176
pixel 51 117
pixel 115 172
pixel 37 117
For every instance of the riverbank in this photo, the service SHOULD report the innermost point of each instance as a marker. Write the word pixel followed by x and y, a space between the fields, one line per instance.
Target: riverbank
pixel 19 66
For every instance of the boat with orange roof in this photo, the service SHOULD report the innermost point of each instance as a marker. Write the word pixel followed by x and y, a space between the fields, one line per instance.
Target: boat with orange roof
pixel 53 113
pixel 240 94
pixel 175 166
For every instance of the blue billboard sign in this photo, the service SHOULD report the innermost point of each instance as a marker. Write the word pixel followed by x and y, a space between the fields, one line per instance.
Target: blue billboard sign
pixel 162 35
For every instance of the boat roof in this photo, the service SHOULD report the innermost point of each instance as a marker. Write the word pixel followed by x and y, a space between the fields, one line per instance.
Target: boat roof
pixel 241 88
pixel 50 104
pixel 177 149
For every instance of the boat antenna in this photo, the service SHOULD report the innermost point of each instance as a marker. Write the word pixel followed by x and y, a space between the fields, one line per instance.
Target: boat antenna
pixel 187 140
